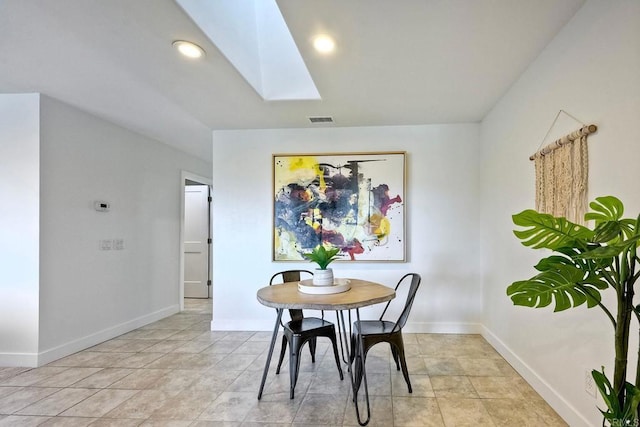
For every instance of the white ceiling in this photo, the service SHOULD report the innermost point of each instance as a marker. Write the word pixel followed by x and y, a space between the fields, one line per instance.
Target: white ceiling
pixel 398 62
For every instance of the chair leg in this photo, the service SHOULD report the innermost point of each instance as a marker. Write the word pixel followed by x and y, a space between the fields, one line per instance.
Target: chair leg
pixel 294 364
pixel 312 349
pixel 405 372
pixel 282 351
pixel 394 353
pixel 335 354
pixel 352 354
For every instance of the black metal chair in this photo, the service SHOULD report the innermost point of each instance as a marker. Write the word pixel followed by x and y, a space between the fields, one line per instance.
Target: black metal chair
pixel 373 332
pixel 301 329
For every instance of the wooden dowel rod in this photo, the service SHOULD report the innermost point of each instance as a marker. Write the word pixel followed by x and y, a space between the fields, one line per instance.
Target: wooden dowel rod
pixel 585 130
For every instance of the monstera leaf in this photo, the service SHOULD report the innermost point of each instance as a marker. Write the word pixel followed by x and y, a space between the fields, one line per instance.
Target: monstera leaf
pixel 611 251
pixel 565 284
pixel 607 212
pixel 547 231
pixel 591 267
pixel 606 208
pixel 616 414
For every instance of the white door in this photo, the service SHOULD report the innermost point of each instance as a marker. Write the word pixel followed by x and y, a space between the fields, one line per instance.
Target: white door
pixel 196 241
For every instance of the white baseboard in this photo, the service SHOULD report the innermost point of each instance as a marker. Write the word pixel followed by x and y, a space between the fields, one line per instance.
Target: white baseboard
pixel 410 327
pixel 24 360
pixel 442 328
pixel 548 393
pixel 34 360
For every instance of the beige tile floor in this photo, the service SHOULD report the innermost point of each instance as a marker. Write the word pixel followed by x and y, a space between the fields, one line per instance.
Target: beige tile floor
pixel 175 372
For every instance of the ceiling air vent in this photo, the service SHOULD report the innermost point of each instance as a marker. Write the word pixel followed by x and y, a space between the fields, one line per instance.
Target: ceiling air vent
pixel 321 119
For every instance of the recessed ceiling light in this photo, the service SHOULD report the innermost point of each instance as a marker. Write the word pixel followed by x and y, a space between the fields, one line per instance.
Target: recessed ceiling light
pixel 324 44
pixel 188 49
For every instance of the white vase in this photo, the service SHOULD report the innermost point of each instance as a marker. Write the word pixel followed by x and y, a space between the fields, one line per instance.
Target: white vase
pixel 323 277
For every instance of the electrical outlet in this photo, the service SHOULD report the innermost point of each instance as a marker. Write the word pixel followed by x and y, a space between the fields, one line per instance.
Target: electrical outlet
pixel 589 383
pixel 105 245
pixel 118 244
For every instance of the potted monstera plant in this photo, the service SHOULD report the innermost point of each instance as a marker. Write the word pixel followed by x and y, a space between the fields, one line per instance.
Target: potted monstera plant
pixel 323 256
pixel 586 262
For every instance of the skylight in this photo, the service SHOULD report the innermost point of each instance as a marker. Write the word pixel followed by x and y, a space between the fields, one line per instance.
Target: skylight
pixel 254 37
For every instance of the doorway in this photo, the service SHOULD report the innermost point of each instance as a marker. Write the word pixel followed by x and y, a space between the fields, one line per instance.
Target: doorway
pixel 195 242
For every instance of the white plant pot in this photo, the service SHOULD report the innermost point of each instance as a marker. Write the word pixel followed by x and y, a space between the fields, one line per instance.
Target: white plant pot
pixel 323 277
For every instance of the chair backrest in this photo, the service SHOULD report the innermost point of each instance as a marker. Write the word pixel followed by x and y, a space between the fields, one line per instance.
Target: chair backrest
pixel 289 276
pixel 411 296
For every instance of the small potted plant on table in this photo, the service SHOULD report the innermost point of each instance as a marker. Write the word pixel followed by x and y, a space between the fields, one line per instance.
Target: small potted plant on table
pixel 322 256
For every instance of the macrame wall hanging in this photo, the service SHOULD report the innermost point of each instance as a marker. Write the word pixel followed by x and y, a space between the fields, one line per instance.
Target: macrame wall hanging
pixel 562 172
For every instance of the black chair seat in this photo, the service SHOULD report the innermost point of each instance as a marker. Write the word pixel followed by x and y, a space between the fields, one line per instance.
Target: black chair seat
pixel 374 327
pixel 308 323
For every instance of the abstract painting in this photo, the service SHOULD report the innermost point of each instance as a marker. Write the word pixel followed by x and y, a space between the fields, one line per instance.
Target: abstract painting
pixel 352 201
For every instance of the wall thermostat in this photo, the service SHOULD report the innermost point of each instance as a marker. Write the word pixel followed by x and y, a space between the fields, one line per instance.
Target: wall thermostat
pixel 101 206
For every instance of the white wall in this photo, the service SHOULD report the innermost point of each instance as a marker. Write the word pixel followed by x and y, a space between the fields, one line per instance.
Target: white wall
pixel 86 295
pixel 19 229
pixel 442 220
pixel 591 70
